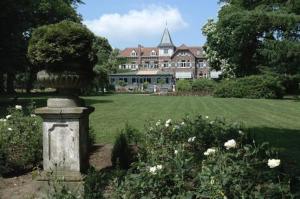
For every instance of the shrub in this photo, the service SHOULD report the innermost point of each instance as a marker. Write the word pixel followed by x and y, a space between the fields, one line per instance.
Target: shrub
pixel 65 46
pixel 183 85
pixel 255 86
pixel 123 150
pixel 20 140
pixel 203 85
pixel 202 158
pixel 291 84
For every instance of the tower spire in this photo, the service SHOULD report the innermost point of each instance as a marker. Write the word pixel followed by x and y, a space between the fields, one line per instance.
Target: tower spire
pixel 166 40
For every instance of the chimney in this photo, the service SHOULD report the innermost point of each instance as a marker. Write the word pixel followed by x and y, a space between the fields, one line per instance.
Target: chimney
pixel 140 55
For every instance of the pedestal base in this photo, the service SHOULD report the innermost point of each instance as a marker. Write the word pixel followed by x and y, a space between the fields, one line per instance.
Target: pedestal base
pixel 65 135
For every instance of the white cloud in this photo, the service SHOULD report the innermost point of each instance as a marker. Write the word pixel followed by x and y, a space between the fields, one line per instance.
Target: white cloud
pixel 137 25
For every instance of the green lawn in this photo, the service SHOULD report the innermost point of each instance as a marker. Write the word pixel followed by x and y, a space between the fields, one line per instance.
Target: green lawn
pixel 276 121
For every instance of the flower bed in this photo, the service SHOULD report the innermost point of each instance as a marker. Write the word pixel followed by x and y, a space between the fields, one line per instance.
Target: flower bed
pixel 202 158
pixel 20 140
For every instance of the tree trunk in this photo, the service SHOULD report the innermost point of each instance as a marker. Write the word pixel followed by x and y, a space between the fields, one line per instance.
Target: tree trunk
pixel 29 83
pixel 10 83
pixel 2 83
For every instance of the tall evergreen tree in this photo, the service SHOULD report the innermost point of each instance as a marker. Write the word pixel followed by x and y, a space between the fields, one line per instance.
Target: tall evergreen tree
pixel 254 34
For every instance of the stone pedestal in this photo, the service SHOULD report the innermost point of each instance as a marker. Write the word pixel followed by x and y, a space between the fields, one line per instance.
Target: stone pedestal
pixel 65 137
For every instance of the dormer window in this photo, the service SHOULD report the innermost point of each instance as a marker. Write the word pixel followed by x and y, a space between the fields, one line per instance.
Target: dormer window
pixel 166 51
pixel 133 53
pixel 153 53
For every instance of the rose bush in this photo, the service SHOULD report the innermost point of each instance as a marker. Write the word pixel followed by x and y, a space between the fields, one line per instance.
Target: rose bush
pixel 202 158
pixel 20 140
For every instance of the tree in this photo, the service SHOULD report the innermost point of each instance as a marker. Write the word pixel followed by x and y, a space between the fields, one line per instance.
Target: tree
pixel 252 34
pixel 108 62
pixel 101 69
pixel 17 21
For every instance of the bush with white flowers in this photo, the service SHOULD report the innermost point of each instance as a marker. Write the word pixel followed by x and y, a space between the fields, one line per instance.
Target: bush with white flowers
pixel 20 140
pixel 197 158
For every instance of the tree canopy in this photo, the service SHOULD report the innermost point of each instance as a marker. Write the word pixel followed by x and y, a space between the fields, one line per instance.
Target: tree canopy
pixel 17 21
pixel 250 35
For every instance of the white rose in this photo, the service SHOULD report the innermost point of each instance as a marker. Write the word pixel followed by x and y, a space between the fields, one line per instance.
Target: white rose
pixel 32 115
pixel 168 122
pixel 272 163
pixel 209 151
pixel 175 152
pixel 2 120
pixel 8 116
pixel 241 132
pixel 191 139
pixel 206 117
pixel 157 123
pixel 230 144
pixel 18 107
pixel 159 167
pixel 10 129
pixel 152 170
pixel 176 127
pixel 182 123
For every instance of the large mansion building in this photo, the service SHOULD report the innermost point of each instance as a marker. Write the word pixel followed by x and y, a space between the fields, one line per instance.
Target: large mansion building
pixel 184 62
pixel 156 69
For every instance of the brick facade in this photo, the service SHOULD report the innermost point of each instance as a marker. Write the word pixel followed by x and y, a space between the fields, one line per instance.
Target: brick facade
pixel 183 62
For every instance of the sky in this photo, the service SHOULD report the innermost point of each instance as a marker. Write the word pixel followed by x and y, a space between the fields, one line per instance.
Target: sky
pixel 127 23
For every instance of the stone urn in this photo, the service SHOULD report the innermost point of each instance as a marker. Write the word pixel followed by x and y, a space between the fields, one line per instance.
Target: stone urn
pixel 65 125
pixel 68 85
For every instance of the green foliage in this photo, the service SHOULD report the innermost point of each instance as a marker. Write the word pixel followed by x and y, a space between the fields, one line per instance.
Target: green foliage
pixel 121 83
pixel 203 85
pixel 94 183
pixel 145 85
pixel 123 150
pixel 250 34
pixel 291 84
pixel 242 173
pixel 255 86
pixel 20 141
pixel 59 189
pixel 197 86
pixel 104 51
pixel 65 46
pixel 183 85
pixel 25 16
pixel 174 162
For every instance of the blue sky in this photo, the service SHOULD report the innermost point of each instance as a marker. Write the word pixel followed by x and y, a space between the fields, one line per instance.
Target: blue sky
pixel 127 23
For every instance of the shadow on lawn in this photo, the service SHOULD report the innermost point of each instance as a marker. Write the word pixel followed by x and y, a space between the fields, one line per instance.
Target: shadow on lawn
pixel 97 101
pixel 285 140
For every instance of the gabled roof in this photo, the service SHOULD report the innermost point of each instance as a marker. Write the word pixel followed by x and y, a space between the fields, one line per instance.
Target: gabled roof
pixel 144 51
pixel 195 50
pixel 166 40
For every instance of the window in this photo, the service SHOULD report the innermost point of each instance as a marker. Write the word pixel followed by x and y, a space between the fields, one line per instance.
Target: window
pixel 133 53
pixel 125 80
pixel 112 79
pixel 153 53
pixel 149 80
pixel 182 63
pixel 201 64
pixel 133 80
pixel 165 63
pixel 166 51
pixel 188 63
pixel 167 80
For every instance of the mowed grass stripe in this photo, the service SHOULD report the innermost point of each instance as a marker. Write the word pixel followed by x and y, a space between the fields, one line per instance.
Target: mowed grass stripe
pixel 137 110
